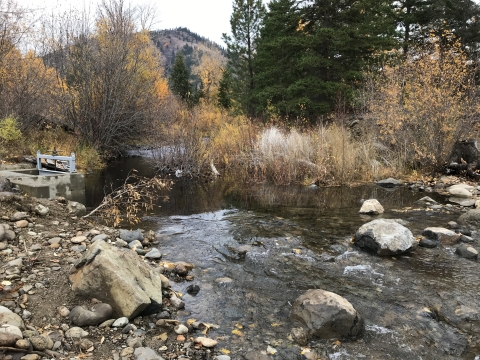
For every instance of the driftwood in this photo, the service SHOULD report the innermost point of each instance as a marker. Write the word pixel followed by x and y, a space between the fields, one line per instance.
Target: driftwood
pixel 465 158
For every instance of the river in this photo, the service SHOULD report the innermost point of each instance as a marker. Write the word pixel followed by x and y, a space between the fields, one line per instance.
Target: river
pixel 419 306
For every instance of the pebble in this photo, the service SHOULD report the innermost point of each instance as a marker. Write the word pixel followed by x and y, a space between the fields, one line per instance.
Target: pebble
pixel 206 342
pixel 181 329
pixel 21 224
pixel 78 239
pixel 41 342
pixel 22 344
pixel 63 311
pixel 30 357
pixel 127 351
pixel 153 254
pixel 120 322
pixel 135 244
pixel 121 243
pixel 134 342
pixel 99 236
pixel 76 332
pixel 107 323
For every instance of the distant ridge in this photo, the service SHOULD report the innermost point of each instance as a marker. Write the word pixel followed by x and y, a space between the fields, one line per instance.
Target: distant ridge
pixel 171 41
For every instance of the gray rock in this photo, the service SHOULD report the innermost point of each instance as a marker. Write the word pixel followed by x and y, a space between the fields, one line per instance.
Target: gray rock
pixel 428 243
pixel 109 273
pixel 145 353
pixel 41 342
pixel 426 200
pixel 9 235
pixel 135 244
pixel 327 315
pixel 445 236
pixel 17 262
pixel 120 322
pixel 130 236
pixel 470 218
pixel 300 336
pixel 466 239
pixel 460 190
pixel 80 316
pixel 107 323
pixel 134 342
pixel 389 183
pixel 5 184
pixel 41 210
pixel 181 329
pixel 371 207
pixel 121 243
pixel 223 357
pixel 78 248
pixel 462 201
pixel 8 339
pixel 9 317
pixel 76 209
pixel 19 215
pixel 177 303
pixel 153 254
pixel 100 237
pixel 467 252
pixel 385 237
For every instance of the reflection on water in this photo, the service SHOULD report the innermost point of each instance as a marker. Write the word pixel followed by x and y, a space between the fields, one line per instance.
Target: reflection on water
pixel 300 239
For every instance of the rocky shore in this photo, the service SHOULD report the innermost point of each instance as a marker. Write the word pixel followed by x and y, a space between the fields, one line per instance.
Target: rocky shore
pixel 42 315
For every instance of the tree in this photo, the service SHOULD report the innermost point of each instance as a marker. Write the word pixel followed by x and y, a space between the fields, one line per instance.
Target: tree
pixel 180 78
pixel 246 22
pixel 113 80
pixel 209 69
pixel 224 99
pixel 309 55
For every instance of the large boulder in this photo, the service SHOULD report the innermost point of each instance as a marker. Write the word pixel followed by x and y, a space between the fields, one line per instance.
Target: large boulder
pixel 7 316
pixel 327 315
pixel 461 190
pixel 371 207
pixel 389 183
pixel 118 277
pixel 76 209
pixel 385 237
pixel 470 218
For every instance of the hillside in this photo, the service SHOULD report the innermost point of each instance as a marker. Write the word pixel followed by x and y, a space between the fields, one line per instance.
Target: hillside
pixel 171 41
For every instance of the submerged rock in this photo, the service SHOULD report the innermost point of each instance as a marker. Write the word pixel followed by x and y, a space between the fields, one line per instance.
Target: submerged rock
pixel 428 243
pixel 327 315
pixel 470 218
pixel 118 277
pixel 389 183
pixel 384 237
pixel 443 235
pixel 371 207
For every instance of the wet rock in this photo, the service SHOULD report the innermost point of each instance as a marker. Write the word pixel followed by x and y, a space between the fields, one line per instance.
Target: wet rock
pixel 428 243
pixel 460 190
pixel 76 332
pixel 145 353
pixel 177 303
pixel 109 274
pixel 389 183
pixel 470 218
pixel 384 237
pixel 129 236
pixel 327 315
pixel 41 210
pixel 193 289
pixel 41 342
pixel 120 322
pixel 467 252
pixel 81 316
pixel 10 318
pixel 300 336
pixel 76 209
pixel 443 235
pixel 154 254
pixel 371 207
pixel 206 342
pixel 466 239
pixel 453 225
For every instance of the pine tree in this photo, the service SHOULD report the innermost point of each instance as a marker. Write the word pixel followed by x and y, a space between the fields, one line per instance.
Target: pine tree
pixel 224 99
pixel 246 21
pixel 179 78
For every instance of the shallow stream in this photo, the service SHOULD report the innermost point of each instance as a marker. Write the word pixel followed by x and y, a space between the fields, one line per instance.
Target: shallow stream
pixel 420 306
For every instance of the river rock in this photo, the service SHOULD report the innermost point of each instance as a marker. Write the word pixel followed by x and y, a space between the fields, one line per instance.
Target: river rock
pixel 206 342
pixel 327 315
pixel 135 244
pixel 9 317
pixel 12 330
pixel 76 332
pixel 145 353
pixel 5 184
pixel 460 190
pixel 120 322
pixel 371 207
pixel 153 254
pixel 389 183
pixel 76 209
pixel 443 235
pixel 385 237
pixel 41 342
pixel 7 339
pixel 99 237
pixel 20 224
pixel 41 210
pixel 19 215
pixel 428 243
pixel 81 316
pixel 181 329
pixel 129 236
pixel 78 239
pixel 300 336
pixel 116 276
pixel 426 200
pixel 470 218
pixel 467 252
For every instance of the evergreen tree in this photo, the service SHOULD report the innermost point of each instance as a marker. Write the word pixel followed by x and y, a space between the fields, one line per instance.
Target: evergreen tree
pixel 307 56
pixel 179 78
pixel 246 21
pixel 224 99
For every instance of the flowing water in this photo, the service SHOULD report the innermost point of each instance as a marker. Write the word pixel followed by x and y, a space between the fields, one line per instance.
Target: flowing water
pixel 419 306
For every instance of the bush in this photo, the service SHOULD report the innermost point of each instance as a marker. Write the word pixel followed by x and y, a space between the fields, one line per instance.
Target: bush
pixel 9 129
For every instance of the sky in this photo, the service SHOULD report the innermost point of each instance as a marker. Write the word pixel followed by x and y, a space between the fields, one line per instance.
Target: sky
pixel 207 18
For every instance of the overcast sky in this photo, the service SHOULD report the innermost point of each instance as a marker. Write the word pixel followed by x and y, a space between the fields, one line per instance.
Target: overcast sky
pixel 208 18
